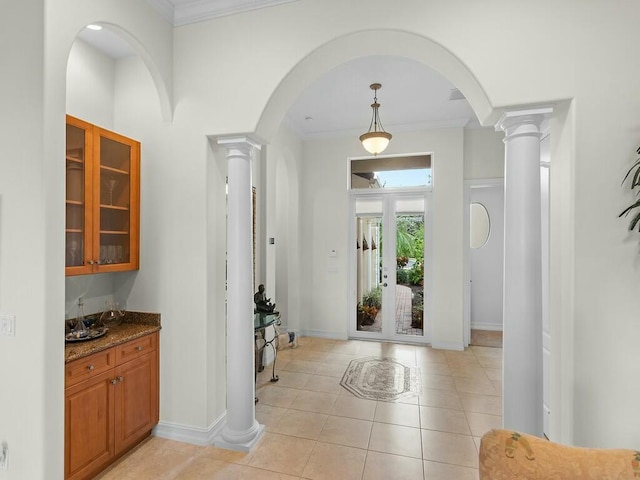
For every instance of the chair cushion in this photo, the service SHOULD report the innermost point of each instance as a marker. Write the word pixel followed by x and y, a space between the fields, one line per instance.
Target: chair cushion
pixel 510 455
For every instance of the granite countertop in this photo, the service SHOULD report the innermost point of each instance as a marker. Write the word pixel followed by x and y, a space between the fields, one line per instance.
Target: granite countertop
pixel 134 325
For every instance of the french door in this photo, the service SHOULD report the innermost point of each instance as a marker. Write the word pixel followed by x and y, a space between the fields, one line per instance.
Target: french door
pixel 389 266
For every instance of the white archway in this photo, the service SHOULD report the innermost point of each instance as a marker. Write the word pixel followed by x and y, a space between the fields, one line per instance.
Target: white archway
pixel 164 98
pixel 365 43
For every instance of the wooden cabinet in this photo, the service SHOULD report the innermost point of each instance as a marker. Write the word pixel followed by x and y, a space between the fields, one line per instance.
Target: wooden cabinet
pixel 111 404
pixel 102 200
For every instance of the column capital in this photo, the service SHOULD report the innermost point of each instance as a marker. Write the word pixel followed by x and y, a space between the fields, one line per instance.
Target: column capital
pixel 516 123
pixel 242 145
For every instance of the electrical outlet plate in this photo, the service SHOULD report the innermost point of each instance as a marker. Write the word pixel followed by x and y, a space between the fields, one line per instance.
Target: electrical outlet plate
pixel 8 325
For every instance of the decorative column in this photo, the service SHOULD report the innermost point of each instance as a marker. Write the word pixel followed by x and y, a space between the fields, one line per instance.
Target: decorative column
pixel 241 430
pixel 522 304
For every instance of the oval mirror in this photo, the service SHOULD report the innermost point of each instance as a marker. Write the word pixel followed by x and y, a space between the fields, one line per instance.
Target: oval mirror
pixel 479 225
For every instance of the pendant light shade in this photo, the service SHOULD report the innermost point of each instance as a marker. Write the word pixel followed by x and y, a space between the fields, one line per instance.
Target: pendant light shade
pixel 376 139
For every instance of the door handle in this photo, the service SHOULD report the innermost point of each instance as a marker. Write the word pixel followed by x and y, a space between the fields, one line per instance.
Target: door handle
pixel 384 284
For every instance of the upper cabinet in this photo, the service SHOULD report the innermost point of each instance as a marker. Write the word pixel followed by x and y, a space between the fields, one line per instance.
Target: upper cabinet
pixel 102 200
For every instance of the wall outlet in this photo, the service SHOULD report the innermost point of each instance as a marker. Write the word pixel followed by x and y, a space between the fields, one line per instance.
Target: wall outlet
pixel 8 325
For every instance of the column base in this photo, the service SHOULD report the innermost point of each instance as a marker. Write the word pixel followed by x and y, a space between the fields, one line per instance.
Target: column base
pixel 243 442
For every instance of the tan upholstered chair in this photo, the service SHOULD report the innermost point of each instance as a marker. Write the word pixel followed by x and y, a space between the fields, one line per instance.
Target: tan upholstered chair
pixel 509 455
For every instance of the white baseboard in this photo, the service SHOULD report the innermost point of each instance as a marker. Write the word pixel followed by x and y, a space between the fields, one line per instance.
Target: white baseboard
pixel 194 435
pixel 494 327
pixel 448 345
pixel 323 334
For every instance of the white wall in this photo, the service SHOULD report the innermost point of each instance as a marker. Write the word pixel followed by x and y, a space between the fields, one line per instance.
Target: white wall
pixel 90 85
pixel 286 273
pixel 29 377
pixel 483 153
pixel 177 275
pixel 595 264
pixel 325 227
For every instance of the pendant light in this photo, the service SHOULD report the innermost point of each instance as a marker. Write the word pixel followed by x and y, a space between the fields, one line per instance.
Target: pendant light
pixel 376 139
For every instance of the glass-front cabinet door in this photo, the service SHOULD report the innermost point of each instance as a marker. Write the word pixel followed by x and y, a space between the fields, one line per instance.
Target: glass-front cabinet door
pixel 116 232
pixel 102 200
pixel 78 209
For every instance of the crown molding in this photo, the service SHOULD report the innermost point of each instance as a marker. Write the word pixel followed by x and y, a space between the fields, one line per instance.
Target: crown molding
pixel 165 8
pixel 184 13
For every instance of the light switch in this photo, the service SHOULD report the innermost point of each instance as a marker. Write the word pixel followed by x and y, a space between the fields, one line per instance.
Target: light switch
pixel 8 325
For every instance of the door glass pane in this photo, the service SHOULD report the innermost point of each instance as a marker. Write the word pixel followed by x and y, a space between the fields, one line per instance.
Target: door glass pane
pixel 368 273
pixel 410 270
pixel 115 195
pixel 75 206
pixel 391 172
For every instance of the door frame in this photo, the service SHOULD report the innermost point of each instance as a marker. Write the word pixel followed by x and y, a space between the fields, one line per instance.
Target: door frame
pixel 387 196
pixel 468 186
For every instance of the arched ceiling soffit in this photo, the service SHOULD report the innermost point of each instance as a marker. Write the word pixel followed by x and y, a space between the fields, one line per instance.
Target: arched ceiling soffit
pixel 138 48
pixel 369 43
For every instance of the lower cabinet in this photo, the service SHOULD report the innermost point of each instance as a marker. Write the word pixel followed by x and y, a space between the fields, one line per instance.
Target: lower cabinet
pixel 111 404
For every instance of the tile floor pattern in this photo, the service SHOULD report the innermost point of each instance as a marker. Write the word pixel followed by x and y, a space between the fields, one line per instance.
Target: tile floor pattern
pixel 317 430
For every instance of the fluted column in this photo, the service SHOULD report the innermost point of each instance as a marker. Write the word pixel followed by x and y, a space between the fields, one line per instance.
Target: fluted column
pixel 522 304
pixel 241 430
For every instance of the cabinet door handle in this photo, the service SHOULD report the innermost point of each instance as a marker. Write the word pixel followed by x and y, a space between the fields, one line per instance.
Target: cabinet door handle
pixel 120 379
pixel 90 367
pixel 113 382
pixel 91 262
pixel 139 348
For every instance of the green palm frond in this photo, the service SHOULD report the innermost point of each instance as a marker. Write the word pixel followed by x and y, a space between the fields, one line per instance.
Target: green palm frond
pixel 635 182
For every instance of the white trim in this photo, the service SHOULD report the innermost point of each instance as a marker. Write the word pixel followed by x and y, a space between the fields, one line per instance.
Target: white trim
pixel 247 446
pixel 200 10
pixel 448 345
pixel 484 182
pixel 324 334
pixel 508 116
pixel 165 7
pixel 239 140
pixel 494 327
pixel 193 435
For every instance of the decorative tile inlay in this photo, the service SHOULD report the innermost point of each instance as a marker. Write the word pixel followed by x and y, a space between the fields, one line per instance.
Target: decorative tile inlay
pixel 384 379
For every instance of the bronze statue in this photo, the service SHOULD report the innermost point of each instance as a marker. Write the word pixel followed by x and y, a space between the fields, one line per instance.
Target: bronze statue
pixel 263 304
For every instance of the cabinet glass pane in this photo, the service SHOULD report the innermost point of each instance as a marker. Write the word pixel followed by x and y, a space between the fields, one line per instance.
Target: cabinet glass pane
pixel 115 201
pixel 75 206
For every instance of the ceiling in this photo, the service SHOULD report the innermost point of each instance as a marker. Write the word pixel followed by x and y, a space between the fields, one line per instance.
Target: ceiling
pixel 413 96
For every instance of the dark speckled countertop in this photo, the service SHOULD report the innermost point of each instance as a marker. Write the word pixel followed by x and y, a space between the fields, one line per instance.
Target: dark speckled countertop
pixel 134 325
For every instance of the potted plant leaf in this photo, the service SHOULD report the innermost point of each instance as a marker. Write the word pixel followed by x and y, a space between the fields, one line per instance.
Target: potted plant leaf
pixel 634 208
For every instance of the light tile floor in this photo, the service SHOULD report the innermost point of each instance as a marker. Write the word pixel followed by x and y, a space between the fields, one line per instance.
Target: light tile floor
pixel 317 430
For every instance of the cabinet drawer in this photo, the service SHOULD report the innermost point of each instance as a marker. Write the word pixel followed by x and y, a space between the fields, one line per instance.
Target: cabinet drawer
pixel 136 348
pixel 88 367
